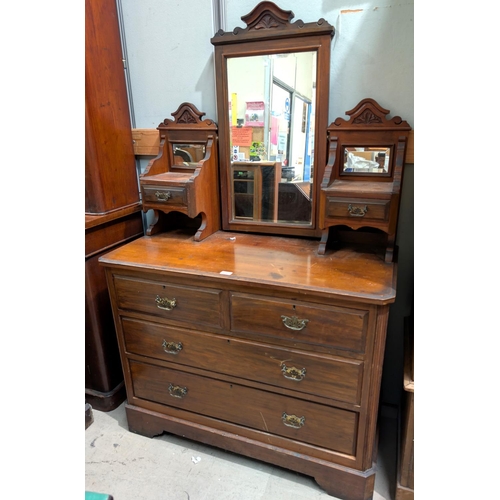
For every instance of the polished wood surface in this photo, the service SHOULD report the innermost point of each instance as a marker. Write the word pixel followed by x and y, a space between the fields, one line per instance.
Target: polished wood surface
pixel 258 345
pixel 110 170
pixel 286 263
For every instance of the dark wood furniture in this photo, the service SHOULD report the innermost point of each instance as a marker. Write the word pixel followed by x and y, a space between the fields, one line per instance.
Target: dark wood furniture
pixel 257 345
pixel 175 181
pixel 255 189
pixel 366 196
pixel 112 206
pixel 271 34
pixel 405 481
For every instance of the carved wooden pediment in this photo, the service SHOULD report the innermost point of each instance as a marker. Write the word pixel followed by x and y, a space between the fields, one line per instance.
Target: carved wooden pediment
pixel 267 21
pixel 369 114
pixel 187 114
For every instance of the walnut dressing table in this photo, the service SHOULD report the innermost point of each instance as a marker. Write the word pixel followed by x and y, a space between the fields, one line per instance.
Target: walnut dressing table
pixel 250 339
pixel 258 345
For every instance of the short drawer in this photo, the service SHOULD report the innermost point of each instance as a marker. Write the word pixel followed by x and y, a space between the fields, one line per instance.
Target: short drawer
pixel 320 425
pixel 178 304
pixel 329 326
pixel 165 195
pixel 327 376
pixel 377 210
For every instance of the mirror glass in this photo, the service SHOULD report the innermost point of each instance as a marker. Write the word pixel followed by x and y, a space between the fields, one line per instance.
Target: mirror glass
pixel 366 160
pixel 271 120
pixel 187 154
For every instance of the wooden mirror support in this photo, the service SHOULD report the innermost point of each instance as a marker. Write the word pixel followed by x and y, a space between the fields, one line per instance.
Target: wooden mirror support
pixel 362 180
pixel 183 178
pixel 282 125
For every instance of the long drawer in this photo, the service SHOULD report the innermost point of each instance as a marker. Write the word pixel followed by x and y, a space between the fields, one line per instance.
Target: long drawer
pixel 297 419
pixel 327 376
pixel 335 327
pixel 178 304
pixel 358 209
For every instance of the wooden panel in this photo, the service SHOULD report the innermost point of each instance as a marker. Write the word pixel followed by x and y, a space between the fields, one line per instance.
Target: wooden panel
pixel 193 306
pixel 147 143
pixel 335 327
pixel 326 376
pixel 323 426
pixel 110 170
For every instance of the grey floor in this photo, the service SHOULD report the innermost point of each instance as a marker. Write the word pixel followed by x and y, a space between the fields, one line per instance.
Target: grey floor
pixel 133 467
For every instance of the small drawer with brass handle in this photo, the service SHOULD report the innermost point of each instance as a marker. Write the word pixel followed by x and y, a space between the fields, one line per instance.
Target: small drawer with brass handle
pixel 164 195
pixel 172 347
pixel 195 307
pixel 349 208
pixel 293 420
pixel 165 303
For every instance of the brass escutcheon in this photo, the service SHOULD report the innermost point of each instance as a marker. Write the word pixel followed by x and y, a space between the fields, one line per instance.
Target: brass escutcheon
pixel 163 195
pixel 293 373
pixel 164 303
pixel 293 420
pixel 176 391
pixel 172 347
pixel 294 323
pixel 357 211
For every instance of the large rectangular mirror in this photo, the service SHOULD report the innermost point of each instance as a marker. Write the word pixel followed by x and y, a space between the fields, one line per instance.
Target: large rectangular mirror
pixel 272 83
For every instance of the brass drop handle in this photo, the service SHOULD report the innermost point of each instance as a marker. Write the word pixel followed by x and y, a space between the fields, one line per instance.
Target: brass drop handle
pixel 172 347
pixel 293 373
pixel 163 195
pixel 294 323
pixel 164 303
pixel 176 391
pixel 357 211
pixel 293 420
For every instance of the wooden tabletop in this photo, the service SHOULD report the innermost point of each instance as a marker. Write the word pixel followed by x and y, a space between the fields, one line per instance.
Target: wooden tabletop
pixel 286 262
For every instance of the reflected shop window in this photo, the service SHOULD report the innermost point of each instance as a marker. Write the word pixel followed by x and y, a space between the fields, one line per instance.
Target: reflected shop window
pixel 271 121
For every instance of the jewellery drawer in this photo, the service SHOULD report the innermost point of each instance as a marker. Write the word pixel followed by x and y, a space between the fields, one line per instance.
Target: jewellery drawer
pixel 316 424
pixel 178 304
pixel 352 208
pixel 165 195
pixel 330 326
pixel 326 376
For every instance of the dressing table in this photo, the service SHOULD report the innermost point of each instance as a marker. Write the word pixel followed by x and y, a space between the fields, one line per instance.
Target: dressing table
pixel 250 339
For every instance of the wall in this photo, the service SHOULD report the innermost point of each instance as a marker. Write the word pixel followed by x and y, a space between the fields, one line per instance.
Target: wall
pixel 170 61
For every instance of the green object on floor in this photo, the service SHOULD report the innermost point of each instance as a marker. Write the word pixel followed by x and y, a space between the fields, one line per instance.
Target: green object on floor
pixel 91 495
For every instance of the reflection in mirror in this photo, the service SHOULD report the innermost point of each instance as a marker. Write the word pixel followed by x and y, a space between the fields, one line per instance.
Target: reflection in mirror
pixel 187 154
pixel 367 160
pixel 271 117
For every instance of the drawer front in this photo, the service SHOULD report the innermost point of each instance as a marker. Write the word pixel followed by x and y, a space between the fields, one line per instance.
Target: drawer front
pixel 165 195
pixel 325 376
pixel 324 426
pixel 336 327
pixel 178 304
pixel 356 209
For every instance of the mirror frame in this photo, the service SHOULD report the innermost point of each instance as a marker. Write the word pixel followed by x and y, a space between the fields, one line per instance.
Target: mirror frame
pixel 270 31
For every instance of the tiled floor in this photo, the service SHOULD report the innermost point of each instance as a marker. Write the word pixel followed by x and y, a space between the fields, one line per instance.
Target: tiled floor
pixel 133 467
